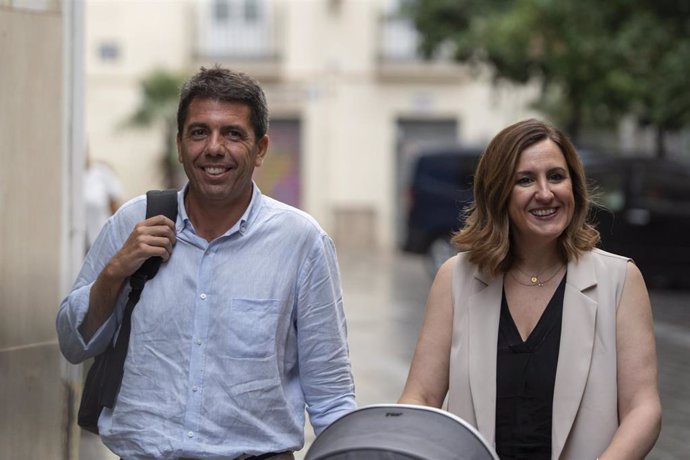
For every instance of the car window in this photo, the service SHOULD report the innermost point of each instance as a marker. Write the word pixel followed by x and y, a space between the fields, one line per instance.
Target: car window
pixel 608 188
pixel 450 172
pixel 466 172
pixel 665 189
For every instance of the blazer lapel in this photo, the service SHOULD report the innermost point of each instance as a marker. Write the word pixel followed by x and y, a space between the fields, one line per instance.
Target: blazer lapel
pixel 484 316
pixel 575 352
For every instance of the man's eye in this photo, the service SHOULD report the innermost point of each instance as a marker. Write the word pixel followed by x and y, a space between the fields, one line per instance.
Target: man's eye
pixel 234 134
pixel 197 132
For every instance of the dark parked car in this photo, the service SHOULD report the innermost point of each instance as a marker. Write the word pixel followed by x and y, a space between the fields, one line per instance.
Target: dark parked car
pixel 440 188
pixel 644 214
pixel 643 209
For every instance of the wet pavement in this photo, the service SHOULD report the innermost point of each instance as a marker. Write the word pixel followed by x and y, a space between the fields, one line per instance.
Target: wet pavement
pixel 384 300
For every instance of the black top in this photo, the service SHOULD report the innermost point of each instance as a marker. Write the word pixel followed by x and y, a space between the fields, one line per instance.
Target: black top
pixel 525 377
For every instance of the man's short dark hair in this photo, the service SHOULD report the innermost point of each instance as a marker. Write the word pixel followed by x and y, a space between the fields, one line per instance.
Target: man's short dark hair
pixel 226 85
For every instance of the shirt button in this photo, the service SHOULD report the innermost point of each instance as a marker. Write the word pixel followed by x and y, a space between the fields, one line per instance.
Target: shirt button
pixel 195 388
pixel 198 341
pixel 203 296
pixel 190 434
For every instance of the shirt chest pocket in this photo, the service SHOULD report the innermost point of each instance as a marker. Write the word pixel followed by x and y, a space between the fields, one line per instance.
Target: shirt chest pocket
pixel 247 328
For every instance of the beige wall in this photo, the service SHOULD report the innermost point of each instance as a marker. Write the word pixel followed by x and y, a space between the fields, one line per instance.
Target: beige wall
pixel 149 35
pixel 327 74
pixel 33 398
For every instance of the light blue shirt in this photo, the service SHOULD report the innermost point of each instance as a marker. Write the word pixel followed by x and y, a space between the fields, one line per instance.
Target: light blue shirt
pixel 230 341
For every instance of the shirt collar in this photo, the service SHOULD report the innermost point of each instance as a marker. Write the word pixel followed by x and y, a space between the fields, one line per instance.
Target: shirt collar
pixel 242 225
pixel 249 216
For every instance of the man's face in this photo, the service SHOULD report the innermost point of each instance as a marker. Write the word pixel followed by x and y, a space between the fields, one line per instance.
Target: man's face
pixel 218 150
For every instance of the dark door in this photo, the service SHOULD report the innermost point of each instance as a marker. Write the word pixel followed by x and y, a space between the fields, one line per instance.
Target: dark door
pixel 279 176
pixel 414 135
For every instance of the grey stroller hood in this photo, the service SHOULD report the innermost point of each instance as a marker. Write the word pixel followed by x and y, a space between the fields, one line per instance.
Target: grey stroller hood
pixel 400 431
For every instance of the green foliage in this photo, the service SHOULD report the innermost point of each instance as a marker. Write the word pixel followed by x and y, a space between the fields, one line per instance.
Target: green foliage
pixel 596 61
pixel 159 95
pixel 158 105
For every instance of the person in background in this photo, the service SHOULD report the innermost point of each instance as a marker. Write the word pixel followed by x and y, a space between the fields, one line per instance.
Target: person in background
pixel 102 196
pixel 243 327
pixel 539 339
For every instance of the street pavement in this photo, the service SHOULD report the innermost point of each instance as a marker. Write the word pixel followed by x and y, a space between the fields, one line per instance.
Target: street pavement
pixel 384 296
pixel 671 311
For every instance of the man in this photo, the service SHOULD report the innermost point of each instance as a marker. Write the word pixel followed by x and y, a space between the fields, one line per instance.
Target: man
pixel 102 196
pixel 242 327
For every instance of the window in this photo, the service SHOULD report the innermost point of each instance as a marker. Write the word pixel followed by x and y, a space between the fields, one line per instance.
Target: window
pixel 221 10
pixel 109 51
pixel 608 188
pixel 251 10
pixel 236 29
pixel 665 189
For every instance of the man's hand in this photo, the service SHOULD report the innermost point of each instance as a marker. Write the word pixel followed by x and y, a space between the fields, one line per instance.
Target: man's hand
pixel 154 236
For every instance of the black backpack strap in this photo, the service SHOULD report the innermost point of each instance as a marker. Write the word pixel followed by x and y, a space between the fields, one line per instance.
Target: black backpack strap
pixel 157 202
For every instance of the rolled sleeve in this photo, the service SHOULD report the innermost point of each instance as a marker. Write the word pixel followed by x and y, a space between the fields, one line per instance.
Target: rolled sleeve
pixel 69 319
pixel 74 307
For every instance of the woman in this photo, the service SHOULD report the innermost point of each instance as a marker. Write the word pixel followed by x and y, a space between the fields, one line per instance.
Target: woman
pixel 540 340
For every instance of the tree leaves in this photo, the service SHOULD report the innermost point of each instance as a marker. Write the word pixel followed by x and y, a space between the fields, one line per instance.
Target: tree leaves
pixel 595 61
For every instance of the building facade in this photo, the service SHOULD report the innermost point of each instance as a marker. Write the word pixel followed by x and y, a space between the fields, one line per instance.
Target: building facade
pixel 350 99
pixel 40 241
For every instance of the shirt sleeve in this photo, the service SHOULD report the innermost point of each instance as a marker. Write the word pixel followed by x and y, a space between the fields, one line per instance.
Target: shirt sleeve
pixel 74 307
pixel 324 362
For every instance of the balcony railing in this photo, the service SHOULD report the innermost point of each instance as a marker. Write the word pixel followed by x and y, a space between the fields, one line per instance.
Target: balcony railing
pixel 242 29
pixel 398 40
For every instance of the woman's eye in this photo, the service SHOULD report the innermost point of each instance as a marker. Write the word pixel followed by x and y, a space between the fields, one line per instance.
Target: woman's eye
pixel 556 177
pixel 524 180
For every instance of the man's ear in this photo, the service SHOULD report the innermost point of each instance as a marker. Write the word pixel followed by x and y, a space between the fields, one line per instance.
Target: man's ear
pixel 178 142
pixel 262 149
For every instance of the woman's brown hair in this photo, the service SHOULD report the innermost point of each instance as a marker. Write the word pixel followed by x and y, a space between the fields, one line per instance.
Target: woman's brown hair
pixel 486 233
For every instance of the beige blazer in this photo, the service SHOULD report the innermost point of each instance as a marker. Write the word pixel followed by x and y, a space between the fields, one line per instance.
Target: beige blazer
pixel 585 401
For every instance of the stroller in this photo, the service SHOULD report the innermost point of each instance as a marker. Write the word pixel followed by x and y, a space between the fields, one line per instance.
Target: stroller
pixel 397 432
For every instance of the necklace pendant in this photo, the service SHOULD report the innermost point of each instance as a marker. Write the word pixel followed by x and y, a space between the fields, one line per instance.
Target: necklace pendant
pixel 534 280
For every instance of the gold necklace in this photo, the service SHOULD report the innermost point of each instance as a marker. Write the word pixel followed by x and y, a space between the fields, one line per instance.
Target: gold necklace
pixel 534 279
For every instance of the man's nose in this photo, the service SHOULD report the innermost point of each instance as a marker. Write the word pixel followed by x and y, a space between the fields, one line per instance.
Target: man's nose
pixel 216 143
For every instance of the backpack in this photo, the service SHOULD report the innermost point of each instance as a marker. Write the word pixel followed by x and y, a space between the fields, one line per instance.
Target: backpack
pixel 105 375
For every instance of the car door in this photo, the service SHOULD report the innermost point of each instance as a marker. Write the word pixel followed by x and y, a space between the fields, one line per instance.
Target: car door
pixel 644 214
pixel 610 183
pixel 658 217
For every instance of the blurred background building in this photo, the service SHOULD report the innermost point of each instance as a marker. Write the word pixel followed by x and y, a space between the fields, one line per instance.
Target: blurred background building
pixel 350 97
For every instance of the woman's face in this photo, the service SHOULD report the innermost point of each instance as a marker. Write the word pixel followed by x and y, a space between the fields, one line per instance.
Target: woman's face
pixel 541 202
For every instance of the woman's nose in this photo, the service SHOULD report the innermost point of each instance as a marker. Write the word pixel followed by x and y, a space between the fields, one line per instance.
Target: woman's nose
pixel 544 191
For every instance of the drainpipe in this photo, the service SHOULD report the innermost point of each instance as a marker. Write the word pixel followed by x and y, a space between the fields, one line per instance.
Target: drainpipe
pixel 72 238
